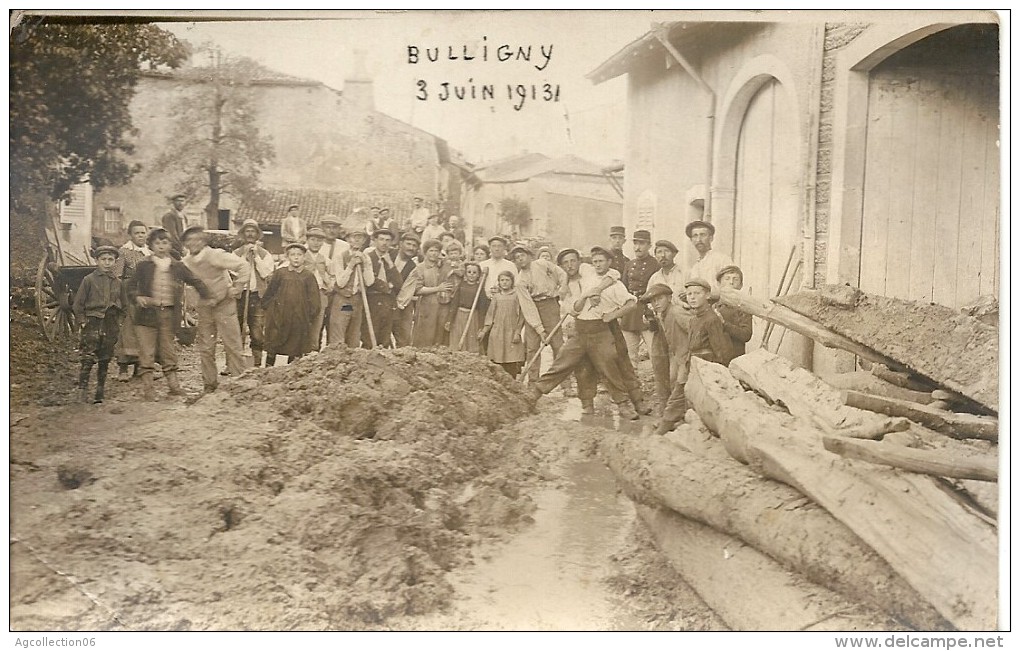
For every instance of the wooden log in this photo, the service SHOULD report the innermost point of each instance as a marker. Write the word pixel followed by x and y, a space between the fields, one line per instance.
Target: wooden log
pixel 865 382
pixel 903 380
pixel 938 343
pixel 953 424
pixel 927 462
pixel 748 590
pixel 943 550
pixel 799 323
pixel 805 395
pixel 770 516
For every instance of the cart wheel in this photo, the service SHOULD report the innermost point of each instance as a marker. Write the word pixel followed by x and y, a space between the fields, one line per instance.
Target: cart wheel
pixel 53 300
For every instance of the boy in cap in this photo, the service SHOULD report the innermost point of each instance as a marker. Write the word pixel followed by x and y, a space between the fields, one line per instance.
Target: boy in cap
pixel 225 275
pixel 709 262
pixel 706 339
pixel 634 324
pixel 291 303
pixel 260 267
pixel 157 289
pixel 97 307
pixel 736 322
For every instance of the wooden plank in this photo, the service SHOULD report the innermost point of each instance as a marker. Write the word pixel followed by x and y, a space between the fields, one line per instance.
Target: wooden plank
pixel 803 393
pixel 943 550
pixel 954 350
pixel 901 180
pixel 947 192
pixel 748 590
pixel 953 424
pixel 875 227
pixel 972 182
pixel 990 224
pixel 770 516
pixel 866 382
pixel 922 243
pixel 927 462
pixel 788 318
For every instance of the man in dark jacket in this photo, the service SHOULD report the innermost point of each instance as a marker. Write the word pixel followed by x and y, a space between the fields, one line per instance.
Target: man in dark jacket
pixel 173 222
pixel 404 260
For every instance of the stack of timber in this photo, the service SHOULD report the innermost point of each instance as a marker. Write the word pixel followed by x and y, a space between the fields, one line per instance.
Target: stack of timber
pixel 789 504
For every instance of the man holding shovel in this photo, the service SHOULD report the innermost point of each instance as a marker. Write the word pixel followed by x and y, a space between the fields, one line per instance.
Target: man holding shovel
pixel 250 314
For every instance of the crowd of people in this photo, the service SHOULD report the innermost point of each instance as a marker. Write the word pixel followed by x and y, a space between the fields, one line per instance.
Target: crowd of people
pixel 364 282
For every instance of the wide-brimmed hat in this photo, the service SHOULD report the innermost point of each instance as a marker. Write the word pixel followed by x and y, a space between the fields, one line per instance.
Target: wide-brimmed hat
pixel 254 224
pixel 697 223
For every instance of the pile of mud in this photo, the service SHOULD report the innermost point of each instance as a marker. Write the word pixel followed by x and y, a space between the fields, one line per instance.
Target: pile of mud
pixel 333 493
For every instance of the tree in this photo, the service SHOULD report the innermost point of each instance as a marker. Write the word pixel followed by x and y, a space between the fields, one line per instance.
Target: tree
pixel 515 212
pixel 70 89
pixel 215 144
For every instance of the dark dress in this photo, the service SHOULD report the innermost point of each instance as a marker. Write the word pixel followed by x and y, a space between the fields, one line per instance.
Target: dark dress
pixel 291 304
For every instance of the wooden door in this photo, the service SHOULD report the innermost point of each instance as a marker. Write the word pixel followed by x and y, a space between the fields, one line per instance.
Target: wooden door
pixel 930 228
pixel 767 190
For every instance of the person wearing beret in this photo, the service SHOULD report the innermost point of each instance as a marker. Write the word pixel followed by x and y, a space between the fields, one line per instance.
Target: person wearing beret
pixel 641 267
pixel 709 261
pixel 617 238
pixel 97 307
pixel 669 272
pixel 173 222
pixel 736 322
pixel 291 303
pixel 496 264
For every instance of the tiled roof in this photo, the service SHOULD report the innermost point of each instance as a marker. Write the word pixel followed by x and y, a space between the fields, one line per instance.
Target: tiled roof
pixel 269 206
pixel 506 173
pixel 560 184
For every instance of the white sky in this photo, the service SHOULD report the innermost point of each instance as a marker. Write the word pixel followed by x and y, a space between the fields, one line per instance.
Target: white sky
pixel 324 49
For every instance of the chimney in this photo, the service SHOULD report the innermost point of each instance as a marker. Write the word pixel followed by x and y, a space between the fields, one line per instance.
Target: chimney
pixel 358 91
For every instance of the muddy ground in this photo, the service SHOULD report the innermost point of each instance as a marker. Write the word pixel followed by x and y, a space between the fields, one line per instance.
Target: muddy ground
pixel 350 490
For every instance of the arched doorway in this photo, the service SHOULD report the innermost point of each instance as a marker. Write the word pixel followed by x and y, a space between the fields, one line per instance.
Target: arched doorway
pixel 766 192
pixel 930 223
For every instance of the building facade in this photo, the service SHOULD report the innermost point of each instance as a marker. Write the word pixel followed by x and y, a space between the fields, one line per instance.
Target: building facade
pixel 862 153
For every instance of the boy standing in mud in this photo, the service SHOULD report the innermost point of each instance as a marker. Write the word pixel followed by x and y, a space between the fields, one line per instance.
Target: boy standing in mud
pixel 98 306
pixel 705 339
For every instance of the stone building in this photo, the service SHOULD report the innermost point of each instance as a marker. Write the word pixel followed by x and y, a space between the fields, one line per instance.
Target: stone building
pixel 325 141
pixel 571 200
pixel 867 149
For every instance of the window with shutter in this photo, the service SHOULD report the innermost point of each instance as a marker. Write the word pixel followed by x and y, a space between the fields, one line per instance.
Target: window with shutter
pixel 112 219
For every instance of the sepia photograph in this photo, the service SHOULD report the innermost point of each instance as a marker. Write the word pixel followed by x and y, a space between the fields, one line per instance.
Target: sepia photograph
pixel 508 320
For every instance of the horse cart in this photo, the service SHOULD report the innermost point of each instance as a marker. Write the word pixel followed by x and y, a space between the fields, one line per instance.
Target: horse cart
pixel 65 263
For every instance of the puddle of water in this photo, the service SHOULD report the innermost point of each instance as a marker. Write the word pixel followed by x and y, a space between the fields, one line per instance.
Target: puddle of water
pixel 550 577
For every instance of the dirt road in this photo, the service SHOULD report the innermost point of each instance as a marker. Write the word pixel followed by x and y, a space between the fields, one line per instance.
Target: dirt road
pixel 259 507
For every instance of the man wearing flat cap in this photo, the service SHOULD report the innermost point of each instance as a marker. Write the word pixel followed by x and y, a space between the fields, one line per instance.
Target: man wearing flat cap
pixel 496 264
pixel 174 222
pixel 382 294
pixel 321 268
pixel 617 238
pixel 709 262
pixel 543 283
pixel 260 266
pixel 634 323
pixel 669 272
pixel 671 341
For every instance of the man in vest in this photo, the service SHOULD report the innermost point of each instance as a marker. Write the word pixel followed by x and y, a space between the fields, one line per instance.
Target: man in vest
pixel 382 294
pixel 404 261
pixel 351 274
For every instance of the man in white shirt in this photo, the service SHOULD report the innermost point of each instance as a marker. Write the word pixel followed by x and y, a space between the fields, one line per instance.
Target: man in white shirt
pixel 669 272
pixel 261 266
pixel 419 216
pixel 496 264
pixel 594 341
pixel 709 262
